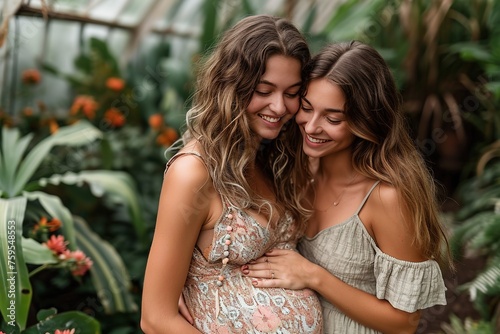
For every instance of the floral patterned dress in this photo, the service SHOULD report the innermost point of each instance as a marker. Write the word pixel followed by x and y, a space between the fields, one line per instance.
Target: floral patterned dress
pixel 222 300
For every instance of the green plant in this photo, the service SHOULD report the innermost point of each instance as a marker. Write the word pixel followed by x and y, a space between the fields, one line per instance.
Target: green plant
pixel 466 326
pixel 478 232
pixel 22 198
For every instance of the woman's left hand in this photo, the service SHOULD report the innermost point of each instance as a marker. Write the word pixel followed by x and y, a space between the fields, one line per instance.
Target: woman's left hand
pixel 279 268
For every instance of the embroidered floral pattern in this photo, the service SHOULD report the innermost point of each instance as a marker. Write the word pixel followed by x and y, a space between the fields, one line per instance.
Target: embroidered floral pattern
pixel 265 320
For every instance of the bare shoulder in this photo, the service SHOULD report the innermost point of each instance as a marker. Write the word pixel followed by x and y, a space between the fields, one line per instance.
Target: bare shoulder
pixel 390 222
pixel 187 192
pixel 383 205
pixel 385 208
pixel 188 169
pixel 385 195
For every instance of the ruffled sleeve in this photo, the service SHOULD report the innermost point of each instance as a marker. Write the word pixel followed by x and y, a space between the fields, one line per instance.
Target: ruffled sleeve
pixel 408 286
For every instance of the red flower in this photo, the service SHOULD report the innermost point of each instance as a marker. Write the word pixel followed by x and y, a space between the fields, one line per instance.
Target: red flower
pixel 115 84
pixel 85 104
pixel 114 117
pixel 31 76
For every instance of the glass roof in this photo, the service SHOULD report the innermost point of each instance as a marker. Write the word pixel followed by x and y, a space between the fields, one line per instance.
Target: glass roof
pixel 34 32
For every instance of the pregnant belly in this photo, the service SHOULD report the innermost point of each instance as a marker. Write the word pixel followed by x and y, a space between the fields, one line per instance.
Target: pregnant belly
pixel 238 307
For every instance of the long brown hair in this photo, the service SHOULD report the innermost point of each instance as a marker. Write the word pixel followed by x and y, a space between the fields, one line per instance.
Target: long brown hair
pixel 383 148
pixel 226 82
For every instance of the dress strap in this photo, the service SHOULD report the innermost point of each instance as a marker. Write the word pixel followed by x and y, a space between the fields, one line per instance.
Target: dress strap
pixel 172 159
pixel 366 197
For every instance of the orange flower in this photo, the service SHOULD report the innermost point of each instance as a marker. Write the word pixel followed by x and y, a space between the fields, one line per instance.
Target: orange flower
pixel 115 84
pixel 85 104
pixel 156 121
pixel 167 137
pixel 28 111
pixel 56 244
pixel 44 224
pixel 114 117
pixel 31 76
pixel 66 331
pixel 53 126
pixel 6 119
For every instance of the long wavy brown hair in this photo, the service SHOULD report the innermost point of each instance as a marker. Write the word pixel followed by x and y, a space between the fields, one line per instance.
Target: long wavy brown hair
pixel 226 82
pixel 383 148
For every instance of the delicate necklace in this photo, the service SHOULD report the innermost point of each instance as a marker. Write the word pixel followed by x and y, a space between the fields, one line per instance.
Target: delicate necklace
pixel 339 198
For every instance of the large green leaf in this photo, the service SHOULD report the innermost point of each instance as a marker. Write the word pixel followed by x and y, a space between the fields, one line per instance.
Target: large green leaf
pixel 77 134
pixel 15 289
pixel 36 253
pixel 11 153
pixel 209 34
pixel 109 275
pixel 117 184
pixel 82 323
pixel 56 209
pixel 351 19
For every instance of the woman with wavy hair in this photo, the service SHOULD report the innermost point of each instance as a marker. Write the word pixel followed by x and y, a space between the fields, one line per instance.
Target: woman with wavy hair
pixel 233 191
pixel 373 245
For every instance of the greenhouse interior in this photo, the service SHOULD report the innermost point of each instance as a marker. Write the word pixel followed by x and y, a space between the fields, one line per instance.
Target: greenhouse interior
pixel 93 101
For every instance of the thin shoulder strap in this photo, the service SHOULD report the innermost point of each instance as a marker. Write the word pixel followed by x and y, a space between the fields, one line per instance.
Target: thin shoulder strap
pixel 366 197
pixel 172 159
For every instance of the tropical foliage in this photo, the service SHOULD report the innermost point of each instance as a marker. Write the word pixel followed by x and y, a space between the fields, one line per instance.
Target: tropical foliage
pixel 24 200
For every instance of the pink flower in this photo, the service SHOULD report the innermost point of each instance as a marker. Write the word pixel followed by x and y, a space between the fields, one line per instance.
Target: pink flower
pixel 265 320
pixel 79 263
pixel 66 331
pixel 56 244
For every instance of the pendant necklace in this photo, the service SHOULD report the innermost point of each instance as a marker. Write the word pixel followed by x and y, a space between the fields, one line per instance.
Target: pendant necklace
pixel 339 198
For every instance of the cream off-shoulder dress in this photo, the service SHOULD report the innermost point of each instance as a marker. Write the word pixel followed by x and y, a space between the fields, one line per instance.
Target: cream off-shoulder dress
pixel 348 251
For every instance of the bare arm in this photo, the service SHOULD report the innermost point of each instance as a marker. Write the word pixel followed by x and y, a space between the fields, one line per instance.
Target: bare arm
pixel 293 271
pixel 183 209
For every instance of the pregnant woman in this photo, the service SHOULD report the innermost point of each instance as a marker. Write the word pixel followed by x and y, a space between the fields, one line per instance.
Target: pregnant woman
pixel 232 192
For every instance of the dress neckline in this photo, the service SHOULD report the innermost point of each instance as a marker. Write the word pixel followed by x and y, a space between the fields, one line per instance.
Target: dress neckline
pixel 350 218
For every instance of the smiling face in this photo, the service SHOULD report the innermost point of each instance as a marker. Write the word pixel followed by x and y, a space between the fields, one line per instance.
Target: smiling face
pixel 276 97
pixel 322 120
